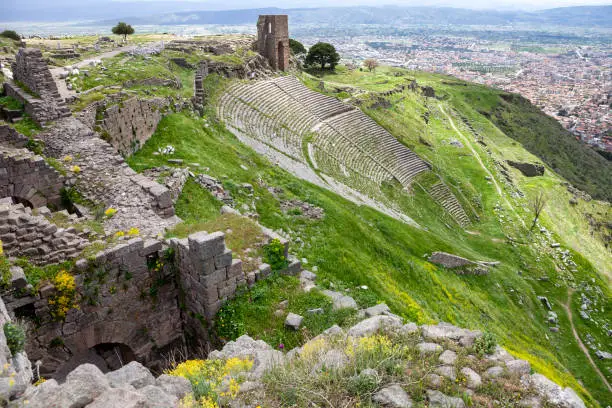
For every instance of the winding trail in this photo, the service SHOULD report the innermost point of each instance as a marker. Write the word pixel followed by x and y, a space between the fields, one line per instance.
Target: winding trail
pixel 468 143
pixel 568 309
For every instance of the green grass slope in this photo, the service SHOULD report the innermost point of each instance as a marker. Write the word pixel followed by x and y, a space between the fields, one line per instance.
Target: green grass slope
pixel 355 247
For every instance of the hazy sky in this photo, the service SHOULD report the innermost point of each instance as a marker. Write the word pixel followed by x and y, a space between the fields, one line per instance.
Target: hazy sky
pixel 236 4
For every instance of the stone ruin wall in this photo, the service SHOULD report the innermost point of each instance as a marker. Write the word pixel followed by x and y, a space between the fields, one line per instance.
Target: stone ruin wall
pixel 28 178
pixel 148 296
pixel 129 124
pixel 31 70
pixel 23 233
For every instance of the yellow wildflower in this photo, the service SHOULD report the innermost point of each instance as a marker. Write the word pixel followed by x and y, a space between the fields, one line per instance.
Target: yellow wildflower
pixel 110 212
pixel 119 234
pixel 67 159
pixel 133 232
pixel 75 169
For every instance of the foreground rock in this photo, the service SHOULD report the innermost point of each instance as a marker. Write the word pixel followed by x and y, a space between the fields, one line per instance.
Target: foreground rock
pixel 132 386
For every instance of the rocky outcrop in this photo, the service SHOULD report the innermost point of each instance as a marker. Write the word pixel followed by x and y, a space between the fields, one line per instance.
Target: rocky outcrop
pixel 130 386
pixel 528 169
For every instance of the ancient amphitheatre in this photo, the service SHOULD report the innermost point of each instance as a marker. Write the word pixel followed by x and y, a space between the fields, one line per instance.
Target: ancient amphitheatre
pixel 95 197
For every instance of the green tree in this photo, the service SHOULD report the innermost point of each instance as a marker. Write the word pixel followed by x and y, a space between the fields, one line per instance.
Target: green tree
pixel 322 54
pixel 123 29
pixel 10 34
pixel 296 47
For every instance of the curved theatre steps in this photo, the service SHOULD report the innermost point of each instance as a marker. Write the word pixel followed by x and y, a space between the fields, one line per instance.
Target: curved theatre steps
pixel 342 140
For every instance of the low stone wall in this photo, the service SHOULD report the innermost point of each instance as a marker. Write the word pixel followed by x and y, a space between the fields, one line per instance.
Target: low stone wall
pixel 24 234
pixel 38 109
pixel 28 177
pixel 528 169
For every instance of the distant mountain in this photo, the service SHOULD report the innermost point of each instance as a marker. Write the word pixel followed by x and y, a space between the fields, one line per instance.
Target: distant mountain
pixel 190 12
pixel 586 16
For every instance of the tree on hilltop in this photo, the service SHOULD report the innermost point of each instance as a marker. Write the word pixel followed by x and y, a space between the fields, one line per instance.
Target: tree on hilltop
pixel 123 29
pixel 10 34
pixel 322 54
pixel 296 47
pixel 370 64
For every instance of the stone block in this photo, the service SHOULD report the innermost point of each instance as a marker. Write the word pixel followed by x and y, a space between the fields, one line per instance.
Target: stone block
pixel 150 246
pixel 223 260
pixel 204 246
pixel 264 270
pixel 18 278
pixel 235 269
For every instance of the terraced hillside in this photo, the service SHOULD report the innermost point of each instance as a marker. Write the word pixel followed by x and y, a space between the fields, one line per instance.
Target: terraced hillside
pixel 328 137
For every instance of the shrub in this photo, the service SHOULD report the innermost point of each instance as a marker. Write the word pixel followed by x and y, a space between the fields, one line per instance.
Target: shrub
pixel 274 255
pixel 485 344
pixel 65 296
pixel 10 34
pixel 15 337
pixel 209 377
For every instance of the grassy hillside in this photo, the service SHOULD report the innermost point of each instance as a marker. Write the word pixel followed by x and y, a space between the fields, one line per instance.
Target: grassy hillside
pixel 356 246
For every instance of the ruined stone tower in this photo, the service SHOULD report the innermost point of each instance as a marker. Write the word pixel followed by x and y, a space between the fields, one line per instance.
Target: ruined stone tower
pixel 273 40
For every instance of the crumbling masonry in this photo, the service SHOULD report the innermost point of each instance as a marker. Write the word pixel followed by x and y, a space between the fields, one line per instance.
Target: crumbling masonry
pixel 273 40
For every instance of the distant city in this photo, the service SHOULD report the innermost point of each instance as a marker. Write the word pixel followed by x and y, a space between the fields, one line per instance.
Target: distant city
pixel 568 76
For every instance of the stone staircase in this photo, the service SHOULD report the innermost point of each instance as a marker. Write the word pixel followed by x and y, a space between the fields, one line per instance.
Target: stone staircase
pixel 442 194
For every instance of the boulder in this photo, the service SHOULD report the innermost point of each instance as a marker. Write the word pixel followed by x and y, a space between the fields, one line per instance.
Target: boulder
pixel 438 400
pixel 340 301
pixel 134 374
pixel 409 328
pixel 157 397
pixel 553 393
pixel 263 355
pixel 449 260
pixel 393 396
pixel 331 360
pixel 448 331
pixel 447 371
pixel 83 385
pixel 429 348
pixel 374 324
pixel 494 372
pixel 448 357
pixel 433 380
pixel 120 397
pixel 173 385
pixel 377 310
pixel 293 321
pixel 528 169
pixel 473 380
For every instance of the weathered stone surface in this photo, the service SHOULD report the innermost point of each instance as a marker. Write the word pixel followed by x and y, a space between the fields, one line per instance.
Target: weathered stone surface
pixel 340 301
pixel 377 310
pixel 134 374
pixel 333 359
pixel 409 328
pixel 157 398
pixel 374 324
pixel 429 348
pixel 448 357
pixel 120 397
pixel 84 384
pixel 518 367
pixel 177 386
pixel 264 357
pixel 393 396
pixel 438 400
pixel 447 371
